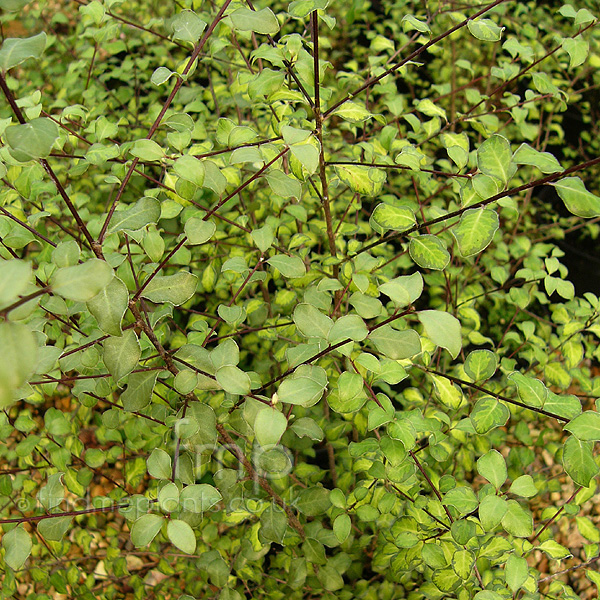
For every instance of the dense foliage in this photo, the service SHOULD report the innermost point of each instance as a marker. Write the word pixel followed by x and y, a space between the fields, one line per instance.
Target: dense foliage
pixel 284 303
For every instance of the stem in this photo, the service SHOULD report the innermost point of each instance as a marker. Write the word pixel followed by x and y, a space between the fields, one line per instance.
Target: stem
pixel 540 411
pixel 72 513
pixel 23 300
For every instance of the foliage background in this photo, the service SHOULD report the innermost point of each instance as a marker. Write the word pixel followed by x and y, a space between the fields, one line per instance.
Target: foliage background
pixel 267 333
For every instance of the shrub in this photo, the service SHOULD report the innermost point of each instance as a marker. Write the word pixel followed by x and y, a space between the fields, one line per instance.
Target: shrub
pixel 274 333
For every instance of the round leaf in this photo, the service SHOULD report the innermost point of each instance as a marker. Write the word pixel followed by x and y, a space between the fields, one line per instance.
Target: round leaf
pixel 17 546
pixel 269 426
pixel 429 252
pixel 82 282
pixel 145 529
pixel 181 535
pixel 493 467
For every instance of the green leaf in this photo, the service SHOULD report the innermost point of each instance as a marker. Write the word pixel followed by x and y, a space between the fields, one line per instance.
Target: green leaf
pixel 31 140
pixel 263 237
pixel 494 158
pixel 353 112
pixel 434 556
pixel 293 135
pixel 429 252
pixel 578 461
pixel 301 8
pixel 259 21
pixel 386 217
pixel 199 231
pixel 307 155
pixel 181 535
pixel 348 327
pixel 531 391
pixel 231 314
pixel 269 425
pixel 226 353
pixel 142 213
pixel 481 365
pixel 311 322
pixel 147 150
pixel 283 185
pixel 462 498
pixel 185 381
pixel 109 305
pixel 443 330
pixel 445 580
pixel 577 199
pixel 273 524
pixel 585 427
pixel 139 390
pixel 475 230
pixel 288 266
pixel 187 26
pixel 366 306
pixel 450 395
pixel 400 430
pixel 409 23
pixel 13 5
pixel 267 82
pixel 82 282
pixel 350 395
pixel 394 344
pixel 98 154
pixel 487 595
pixel 168 497
pixel 54 529
pixel 121 354
pixel 175 289
pixel 342 525
pixel 18 358
pixel 15 276
pixel 199 497
pixel 14 51
pixel 362 179
pixel 313 501
pixel 544 161
pixel 485 30
pixel 491 511
pixel 578 50
pixel 53 493
pixel 487 414
pixel 462 563
pixel 233 380
pixel 554 550
pixel 307 427
pixel 189 168
pixel 17 546
pixel 330 578
pixel 403 290
pixel 304 387
pixel 145 529
pixel 394 449
pixel 515 572
pixel 159 464
pixel 492 466
pixel 517 520
pixel 161 75
pixel 523 486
